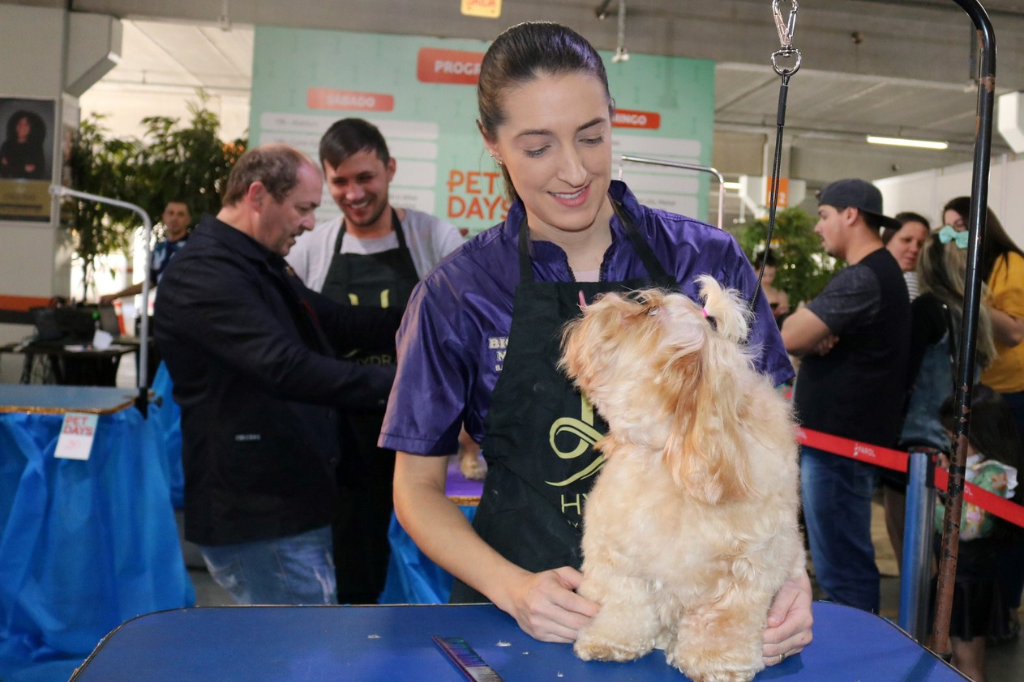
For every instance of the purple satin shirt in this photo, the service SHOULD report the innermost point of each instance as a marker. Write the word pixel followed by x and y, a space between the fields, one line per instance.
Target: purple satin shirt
pixel 452 341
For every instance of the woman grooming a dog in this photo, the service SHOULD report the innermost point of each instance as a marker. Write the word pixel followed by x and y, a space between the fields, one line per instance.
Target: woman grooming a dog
pixel 481 337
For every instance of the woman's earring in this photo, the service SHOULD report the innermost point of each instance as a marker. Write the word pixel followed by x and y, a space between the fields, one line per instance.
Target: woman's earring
pixel 496 160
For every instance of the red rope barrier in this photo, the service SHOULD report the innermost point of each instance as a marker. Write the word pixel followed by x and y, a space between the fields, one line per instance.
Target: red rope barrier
pixel 897 461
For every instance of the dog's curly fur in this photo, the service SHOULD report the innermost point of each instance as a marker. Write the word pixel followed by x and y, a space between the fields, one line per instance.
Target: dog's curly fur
pixel 691 527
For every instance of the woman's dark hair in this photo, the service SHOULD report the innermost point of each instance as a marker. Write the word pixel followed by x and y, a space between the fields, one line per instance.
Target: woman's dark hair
pixel 350 136
pixel 37 128
pixel 767 257
pixel 993 430
pixel 906 217
pixel 994 434
pixel 519 55
pixel 997 243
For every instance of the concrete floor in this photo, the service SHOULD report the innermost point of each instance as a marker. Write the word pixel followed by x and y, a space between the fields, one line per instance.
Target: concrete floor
pixel 1004 663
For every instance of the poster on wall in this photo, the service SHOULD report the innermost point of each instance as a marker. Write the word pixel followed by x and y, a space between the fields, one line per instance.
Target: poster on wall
pixel 26 158
pixel 421 93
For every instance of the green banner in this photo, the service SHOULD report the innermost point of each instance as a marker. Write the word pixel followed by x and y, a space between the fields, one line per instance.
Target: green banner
pixel 421 93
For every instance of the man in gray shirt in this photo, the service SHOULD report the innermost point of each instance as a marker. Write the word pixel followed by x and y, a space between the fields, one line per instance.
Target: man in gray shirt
pixel 372 256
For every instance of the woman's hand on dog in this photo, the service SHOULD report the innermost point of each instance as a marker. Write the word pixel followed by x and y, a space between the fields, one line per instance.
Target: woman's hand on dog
pixel 789 621
pixel 546 606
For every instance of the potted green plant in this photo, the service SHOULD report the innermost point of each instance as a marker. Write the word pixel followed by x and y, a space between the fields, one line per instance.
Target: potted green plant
pixel 803 266
pixel 173 161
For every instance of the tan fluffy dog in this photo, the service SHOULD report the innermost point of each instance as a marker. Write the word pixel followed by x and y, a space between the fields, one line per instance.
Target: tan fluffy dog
pixel 691 527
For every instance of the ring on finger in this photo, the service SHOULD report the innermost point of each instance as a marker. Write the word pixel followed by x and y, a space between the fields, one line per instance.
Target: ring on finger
pixel 782 657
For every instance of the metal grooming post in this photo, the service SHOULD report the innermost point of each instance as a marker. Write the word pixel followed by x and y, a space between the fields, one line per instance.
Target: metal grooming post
pixel 939 641
pixel 142 400
pixel 685 166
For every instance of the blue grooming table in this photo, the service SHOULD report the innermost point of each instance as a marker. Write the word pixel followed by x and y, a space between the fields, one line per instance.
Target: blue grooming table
pixel 393 644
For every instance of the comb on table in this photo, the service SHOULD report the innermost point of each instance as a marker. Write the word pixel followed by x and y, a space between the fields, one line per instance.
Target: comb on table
pixel 465 659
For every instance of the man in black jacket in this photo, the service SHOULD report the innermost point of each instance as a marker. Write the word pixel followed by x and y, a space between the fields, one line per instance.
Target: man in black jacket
pixel 253 356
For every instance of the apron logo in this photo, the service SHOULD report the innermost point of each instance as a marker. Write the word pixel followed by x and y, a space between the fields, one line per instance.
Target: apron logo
pixel 385 298
pixel 585 434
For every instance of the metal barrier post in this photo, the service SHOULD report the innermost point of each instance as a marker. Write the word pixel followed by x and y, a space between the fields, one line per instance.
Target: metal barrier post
pixel 915 572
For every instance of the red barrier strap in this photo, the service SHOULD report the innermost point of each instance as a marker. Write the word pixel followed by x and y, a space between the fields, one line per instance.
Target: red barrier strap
pixel 897 461
pixel 990 502
pixel 863 452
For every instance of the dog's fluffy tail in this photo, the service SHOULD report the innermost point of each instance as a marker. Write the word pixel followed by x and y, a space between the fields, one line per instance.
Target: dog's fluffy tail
pixel 726 306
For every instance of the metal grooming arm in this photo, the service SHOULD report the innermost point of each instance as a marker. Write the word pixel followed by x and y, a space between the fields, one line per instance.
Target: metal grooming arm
pixel 684 166
pixel 142 400
pixel 969 329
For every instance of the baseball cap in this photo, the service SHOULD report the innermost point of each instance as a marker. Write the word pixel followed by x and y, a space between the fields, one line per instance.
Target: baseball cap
pixel 859 194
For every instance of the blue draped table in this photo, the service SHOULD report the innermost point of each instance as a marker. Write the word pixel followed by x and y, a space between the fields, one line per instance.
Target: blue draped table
pixel 412 577
pixel 393 643
pixel 84 545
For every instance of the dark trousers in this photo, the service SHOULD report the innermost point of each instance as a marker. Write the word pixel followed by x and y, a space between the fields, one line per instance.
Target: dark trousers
pixel 1011 561
pixel 360 529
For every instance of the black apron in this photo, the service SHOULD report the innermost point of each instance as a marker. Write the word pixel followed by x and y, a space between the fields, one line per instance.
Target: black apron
pixel 364 477
pixel 540 431
pixel 385 279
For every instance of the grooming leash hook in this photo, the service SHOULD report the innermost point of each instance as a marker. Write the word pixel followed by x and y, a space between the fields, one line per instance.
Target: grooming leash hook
pixel 786 27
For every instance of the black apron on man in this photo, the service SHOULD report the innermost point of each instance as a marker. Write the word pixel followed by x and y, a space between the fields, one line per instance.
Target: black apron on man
pixel 540 432
pixel 364 477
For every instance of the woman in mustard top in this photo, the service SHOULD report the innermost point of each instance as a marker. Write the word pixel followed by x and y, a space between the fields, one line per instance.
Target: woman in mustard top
pixel 1002 266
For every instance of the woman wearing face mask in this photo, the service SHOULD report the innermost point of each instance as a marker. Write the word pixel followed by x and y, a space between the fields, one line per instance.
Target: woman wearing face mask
pixel 1002 268
pixel 481 338
pixel 905 245
pixel 937 318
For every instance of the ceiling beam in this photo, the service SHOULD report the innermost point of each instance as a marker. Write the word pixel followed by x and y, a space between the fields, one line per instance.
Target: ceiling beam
pixel 923 40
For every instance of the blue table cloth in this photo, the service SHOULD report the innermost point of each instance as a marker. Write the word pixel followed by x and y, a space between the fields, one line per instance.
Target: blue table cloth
pixel 84 545
pixel 165 418
pixel 412 577
pixel 393 644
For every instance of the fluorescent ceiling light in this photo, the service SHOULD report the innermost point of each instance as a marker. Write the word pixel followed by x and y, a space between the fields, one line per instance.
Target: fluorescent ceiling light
pixel 731 185
pixel 907 142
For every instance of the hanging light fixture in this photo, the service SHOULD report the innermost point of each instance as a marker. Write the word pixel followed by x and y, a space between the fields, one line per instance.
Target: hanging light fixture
pixel 907 142
pixel 621 55
pixel 224 21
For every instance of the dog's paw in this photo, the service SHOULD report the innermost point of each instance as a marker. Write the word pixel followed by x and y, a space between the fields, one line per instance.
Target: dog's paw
pixel 589 649
pixel 472 466
pixel 708 668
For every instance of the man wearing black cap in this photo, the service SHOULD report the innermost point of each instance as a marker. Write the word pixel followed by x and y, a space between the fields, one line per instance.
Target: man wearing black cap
pixel 854 339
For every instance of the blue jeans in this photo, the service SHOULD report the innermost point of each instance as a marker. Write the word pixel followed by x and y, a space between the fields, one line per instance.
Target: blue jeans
pixel 292 570
pixel 836 495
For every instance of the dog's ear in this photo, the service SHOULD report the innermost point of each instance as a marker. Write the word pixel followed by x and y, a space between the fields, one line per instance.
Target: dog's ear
pixel 726 307
pixel 705 449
